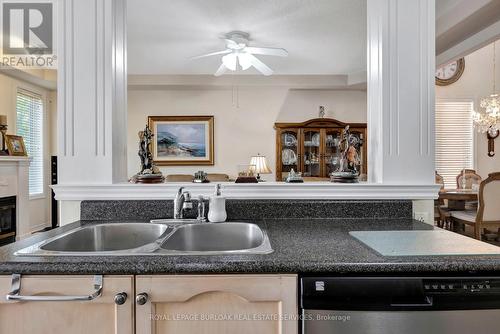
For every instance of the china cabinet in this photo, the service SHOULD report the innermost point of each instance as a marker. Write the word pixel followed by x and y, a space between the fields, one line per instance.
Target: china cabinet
pixel 313 147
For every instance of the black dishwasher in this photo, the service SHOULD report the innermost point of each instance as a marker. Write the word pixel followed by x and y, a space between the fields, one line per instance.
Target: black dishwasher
pixel 400 305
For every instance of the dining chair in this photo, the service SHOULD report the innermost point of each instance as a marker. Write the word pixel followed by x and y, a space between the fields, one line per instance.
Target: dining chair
pixel 438 202
pixel 488 213
pixel 471 177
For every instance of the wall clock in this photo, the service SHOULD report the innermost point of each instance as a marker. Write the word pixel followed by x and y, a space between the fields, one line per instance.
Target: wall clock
pixel 448 74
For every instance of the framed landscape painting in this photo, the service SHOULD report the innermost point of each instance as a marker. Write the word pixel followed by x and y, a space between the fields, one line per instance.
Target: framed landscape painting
pixel 182 140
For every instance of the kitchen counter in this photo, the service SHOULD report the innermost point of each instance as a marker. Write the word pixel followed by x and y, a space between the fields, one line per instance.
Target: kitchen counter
pixel 300 246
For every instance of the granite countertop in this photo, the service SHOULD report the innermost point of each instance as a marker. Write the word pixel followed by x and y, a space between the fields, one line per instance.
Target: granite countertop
pixel 300 246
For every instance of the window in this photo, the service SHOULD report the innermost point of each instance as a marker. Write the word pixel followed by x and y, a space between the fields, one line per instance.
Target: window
pixel 454 139
pixel 29 108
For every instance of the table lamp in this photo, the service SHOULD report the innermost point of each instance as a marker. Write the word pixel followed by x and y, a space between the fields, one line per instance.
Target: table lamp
pixel 3 130
pixel 261 167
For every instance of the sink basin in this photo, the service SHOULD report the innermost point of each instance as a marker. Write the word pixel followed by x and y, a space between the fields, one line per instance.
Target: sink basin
pixel 162 237
pixel 106 237
pixel 218 238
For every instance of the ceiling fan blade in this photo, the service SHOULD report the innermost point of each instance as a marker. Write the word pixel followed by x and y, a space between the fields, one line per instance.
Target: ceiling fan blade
pixel 222 69
pixel 267 51
pixel 212 54
pixel 259 66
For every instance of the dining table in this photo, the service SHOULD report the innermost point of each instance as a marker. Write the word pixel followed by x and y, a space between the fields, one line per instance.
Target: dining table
pixel 457 197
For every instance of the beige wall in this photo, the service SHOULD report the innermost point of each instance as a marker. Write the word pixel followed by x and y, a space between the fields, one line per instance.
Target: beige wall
pixel 239 132
pixel 40 207
pixel 475 83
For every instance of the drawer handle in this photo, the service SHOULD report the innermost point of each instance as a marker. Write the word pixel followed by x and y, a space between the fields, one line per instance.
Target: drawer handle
pixel 15 291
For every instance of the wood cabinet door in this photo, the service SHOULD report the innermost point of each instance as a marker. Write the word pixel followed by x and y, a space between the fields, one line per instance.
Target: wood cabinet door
pixel 331 153
pixel 99 316
pixel 311 152
pixel 287 152
pixel 218 304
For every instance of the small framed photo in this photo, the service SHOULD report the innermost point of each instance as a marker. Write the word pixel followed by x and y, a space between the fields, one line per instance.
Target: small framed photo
pixel 15 145
pixel 182 140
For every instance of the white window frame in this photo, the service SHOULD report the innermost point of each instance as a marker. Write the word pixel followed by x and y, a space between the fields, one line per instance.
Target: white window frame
pixel 22 86
pixel 474 132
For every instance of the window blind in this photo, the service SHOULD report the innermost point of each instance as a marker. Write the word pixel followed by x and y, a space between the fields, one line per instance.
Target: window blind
pixel 454 139
pixel 29 109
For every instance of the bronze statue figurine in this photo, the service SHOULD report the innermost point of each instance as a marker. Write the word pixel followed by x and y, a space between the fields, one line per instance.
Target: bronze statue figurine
pixel 149 173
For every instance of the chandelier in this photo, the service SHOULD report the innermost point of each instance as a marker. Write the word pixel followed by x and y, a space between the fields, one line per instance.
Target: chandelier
pixel 487 119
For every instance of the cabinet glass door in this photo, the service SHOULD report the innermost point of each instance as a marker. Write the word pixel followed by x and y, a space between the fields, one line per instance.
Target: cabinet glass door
pixel 311 153
pixel 332 151
pixel 289 152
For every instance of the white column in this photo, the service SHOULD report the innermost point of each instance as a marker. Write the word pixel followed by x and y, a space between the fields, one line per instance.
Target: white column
pixel 23 204
pixel 92 94
pixel 401 58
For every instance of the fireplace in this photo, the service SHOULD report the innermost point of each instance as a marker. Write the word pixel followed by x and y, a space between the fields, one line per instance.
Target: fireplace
pixel 7 220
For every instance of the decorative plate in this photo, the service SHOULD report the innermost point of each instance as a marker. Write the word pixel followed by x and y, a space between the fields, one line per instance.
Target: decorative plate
pixel 288 157
pixel 289 139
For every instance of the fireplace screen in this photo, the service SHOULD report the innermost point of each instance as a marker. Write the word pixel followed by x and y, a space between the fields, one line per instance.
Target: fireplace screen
pixel 7 220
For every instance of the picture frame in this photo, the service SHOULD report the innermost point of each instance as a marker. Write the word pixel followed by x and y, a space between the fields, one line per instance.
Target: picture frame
pixel 182 140
pixel 15 145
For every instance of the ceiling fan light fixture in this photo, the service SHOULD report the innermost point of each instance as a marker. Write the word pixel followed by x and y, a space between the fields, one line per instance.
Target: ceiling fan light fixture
pixel 238 54
pixel 229 61
pixel 244 60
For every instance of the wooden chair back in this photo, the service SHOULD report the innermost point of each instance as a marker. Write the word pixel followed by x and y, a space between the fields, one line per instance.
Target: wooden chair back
pixel 488 212
pixel 471 177
pixel 439 179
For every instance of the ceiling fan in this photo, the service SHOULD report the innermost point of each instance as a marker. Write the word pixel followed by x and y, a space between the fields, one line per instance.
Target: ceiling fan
pixel 239 55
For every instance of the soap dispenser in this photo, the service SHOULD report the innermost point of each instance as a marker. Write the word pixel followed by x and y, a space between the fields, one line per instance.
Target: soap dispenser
pixel 217 207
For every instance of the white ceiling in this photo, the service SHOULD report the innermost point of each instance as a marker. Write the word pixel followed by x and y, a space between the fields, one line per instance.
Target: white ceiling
pixel 444 6
pixel 321 36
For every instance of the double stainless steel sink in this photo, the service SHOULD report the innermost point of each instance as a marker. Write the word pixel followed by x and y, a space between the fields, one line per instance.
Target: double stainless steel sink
pixel 159 237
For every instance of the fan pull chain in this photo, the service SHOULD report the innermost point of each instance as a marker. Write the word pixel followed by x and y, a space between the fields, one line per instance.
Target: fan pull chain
pixel 235 96
pixel 235 93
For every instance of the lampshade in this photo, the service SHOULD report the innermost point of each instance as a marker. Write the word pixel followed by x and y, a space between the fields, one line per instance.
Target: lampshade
pixel 260 163
pixel 3 119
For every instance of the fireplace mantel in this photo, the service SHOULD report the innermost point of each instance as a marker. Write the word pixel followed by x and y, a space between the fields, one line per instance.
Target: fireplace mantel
pixel 14 181
pixel 6 159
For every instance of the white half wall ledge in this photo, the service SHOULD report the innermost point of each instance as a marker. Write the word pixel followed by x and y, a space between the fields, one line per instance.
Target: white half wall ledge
pixel 266 191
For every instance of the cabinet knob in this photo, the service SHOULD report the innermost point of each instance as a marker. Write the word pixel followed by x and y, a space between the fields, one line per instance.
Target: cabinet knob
pixel 141 298
pixel 120 298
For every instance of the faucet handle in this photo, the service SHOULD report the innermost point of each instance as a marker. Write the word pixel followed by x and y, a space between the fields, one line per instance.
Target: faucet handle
pixel 187 205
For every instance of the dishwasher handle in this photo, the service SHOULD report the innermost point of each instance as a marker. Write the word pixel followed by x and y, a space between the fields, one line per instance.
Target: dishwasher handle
pixel 428 302
pixel 15 292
